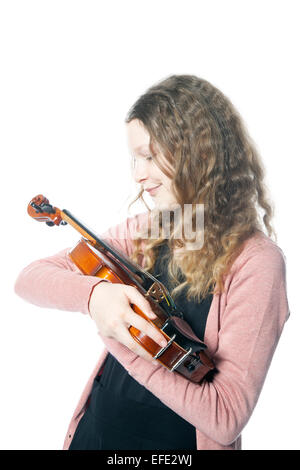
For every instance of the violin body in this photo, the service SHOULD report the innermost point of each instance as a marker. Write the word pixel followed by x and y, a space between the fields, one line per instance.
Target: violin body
pixel 184 352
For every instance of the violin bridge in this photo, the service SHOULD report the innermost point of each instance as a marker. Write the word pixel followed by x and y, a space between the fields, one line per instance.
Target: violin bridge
pixel 157 292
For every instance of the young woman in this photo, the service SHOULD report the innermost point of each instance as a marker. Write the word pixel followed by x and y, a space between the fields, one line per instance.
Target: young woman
pixel 189 147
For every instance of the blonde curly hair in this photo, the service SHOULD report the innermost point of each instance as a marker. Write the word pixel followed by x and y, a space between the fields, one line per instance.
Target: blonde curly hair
pixel 215 163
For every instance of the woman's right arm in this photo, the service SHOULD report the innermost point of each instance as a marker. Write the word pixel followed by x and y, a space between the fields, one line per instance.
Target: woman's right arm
pixel 56 282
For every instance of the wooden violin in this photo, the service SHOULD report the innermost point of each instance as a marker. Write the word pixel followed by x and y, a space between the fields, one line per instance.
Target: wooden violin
pixel 184 352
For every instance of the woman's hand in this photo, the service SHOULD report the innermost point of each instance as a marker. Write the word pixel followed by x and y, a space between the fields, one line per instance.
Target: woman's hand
pixel 110 309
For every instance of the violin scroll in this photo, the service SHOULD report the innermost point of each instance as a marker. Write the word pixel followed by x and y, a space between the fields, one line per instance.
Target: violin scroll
pixel 40 209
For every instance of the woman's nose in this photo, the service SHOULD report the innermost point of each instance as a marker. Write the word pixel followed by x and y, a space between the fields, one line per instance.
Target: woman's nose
pixel 140 171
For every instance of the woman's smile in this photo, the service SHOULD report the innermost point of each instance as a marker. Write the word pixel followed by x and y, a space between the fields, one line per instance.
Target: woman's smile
pixel 153 190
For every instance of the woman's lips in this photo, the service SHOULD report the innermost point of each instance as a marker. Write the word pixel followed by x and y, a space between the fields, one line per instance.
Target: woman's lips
pixel 153 190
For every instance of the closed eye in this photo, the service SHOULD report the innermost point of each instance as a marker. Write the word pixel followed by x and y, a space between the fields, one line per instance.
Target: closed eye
pixel 146 157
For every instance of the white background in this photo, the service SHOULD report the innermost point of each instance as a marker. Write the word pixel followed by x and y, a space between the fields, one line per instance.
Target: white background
pixel 70 70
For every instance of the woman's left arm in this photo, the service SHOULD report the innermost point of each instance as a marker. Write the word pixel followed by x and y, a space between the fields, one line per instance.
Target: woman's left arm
pixel 250 327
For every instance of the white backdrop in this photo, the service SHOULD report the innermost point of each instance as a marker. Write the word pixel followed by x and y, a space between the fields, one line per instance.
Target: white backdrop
pixel 70 70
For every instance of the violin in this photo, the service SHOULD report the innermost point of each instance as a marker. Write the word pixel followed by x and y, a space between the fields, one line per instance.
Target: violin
pixel 184 351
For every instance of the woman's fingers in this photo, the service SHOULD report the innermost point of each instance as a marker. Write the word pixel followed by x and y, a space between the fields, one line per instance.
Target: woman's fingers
pixel 126 339
pixel 143 325
pixel 112 312
pixel 136 298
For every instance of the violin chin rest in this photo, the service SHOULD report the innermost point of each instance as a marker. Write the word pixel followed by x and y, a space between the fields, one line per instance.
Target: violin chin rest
pixel 185 332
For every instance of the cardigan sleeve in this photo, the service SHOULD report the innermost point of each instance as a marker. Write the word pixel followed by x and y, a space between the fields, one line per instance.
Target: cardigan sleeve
pixel 250 327
pixel 56 282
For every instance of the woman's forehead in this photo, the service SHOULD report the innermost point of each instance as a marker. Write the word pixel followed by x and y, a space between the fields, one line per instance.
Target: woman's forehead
pixel 138 136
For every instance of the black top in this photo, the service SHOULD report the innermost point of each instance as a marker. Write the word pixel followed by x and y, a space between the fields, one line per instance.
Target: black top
pixel 122 414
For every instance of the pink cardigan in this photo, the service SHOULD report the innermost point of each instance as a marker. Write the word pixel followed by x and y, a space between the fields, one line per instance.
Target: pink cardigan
pixel 243 328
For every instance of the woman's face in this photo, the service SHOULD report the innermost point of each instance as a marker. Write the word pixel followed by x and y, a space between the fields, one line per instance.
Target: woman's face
pixel 145 170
